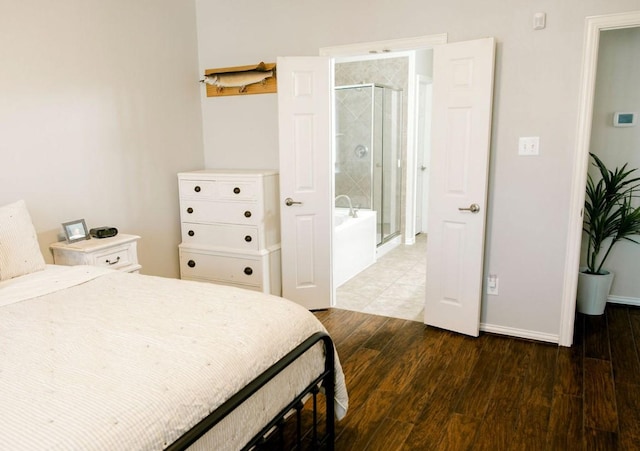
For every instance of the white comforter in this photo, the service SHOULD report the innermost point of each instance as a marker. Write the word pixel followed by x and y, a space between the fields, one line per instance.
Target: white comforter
pixel 98 359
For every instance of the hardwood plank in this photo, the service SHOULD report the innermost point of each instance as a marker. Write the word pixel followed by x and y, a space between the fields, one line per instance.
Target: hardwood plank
pixel 390 436
pixel 425 381
pixel 364 376
pixel 565 423
pixel 357 367
pixel 428 430
pixel 409 355
pixel 578 331
pixel 628 404
pixel 341 323
pixel 474 400
pixel 596 337
pixel 360 335
pixel 634 318
pixel 624 358
pixel 506 398
pixel 498 427
pixel 389 357
pixel 386 333
pixel 459 433
pixel 359 427
pixel 599 396
pixel 462 354
pixel 517 358
pixel 595 440
pixel 568 379
pixel 538 389
pixel 411 402
pixel 531 427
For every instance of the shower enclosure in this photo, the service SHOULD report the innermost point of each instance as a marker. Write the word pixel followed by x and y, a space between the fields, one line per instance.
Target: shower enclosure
pixel 368 152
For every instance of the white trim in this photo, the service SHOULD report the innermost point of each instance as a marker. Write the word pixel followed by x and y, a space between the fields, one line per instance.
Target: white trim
pixel 594 25
pixel 392 45
pixel 519 333
pixel 624 300
pixel 370 57
pixel 409 231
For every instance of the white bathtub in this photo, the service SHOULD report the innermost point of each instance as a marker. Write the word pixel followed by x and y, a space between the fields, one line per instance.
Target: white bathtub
pixel 354 243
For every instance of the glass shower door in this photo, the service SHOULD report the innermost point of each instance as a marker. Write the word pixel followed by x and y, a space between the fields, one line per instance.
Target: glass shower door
pixel 388 170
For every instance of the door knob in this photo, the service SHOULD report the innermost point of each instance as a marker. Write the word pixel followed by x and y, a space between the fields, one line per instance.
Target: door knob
pixel 473 208
pixel 289 202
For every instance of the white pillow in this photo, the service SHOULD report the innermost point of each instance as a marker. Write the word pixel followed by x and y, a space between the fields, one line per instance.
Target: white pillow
pixel 19 250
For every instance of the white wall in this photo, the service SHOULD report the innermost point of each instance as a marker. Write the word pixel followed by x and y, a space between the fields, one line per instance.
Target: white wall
pixel 99 109
pixel 617 90
pixel 536 94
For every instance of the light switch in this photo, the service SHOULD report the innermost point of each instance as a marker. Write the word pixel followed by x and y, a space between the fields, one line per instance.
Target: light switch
pixel 539 21
pixel 529 146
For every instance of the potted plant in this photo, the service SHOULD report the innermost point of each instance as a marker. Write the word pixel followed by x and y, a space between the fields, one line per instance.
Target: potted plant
pixel 609 216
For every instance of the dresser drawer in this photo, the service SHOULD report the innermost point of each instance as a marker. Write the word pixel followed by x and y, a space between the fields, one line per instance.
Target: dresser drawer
pixel 218 267
pixel 198 189
pixel 238 190
pixel 221 236
pixel 114 258
pixel 244 213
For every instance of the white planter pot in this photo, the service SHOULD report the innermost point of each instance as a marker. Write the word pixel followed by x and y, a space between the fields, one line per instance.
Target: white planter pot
pixel 593 290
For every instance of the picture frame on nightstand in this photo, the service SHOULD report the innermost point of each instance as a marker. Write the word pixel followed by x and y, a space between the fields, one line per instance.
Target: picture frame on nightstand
pixel 76 230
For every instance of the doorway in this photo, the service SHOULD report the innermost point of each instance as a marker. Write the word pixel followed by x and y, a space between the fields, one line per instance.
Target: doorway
pixel 593 28
pixel 373 117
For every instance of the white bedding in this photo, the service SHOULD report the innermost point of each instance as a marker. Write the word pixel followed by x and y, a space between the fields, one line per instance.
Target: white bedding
pixel 92 358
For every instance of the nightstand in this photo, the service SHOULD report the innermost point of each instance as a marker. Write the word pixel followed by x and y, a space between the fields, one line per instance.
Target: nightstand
pixel 119 252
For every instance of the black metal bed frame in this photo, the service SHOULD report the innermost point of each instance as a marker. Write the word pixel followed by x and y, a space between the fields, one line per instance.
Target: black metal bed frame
pixel 326 379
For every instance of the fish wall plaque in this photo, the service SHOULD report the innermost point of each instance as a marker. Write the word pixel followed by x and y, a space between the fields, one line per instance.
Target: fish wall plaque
pixel 256 79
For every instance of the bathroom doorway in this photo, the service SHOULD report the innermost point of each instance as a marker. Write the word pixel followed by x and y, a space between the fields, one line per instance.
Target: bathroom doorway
pixel 380 130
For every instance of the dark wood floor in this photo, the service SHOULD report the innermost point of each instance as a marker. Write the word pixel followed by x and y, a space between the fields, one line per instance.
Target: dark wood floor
pixel 414 387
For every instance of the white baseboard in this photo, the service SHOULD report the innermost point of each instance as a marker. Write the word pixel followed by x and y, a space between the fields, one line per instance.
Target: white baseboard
pixel 520 333
pixel 541 336
pixel 624 300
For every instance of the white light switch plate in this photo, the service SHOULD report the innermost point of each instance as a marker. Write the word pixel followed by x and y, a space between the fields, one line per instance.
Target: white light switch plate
pixel 492 284
pixel 529 146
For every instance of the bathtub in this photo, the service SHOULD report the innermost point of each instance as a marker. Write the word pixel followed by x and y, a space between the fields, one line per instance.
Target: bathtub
pixel 354 243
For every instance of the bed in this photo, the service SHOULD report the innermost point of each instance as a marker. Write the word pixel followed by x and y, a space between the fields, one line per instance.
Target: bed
pixel 92 358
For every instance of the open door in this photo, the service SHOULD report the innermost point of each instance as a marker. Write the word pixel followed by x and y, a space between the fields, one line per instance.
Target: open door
pixel 461 130
pixel 305 103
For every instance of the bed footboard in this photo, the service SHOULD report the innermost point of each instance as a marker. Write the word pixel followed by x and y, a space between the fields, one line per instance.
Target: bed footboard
pixel 326 379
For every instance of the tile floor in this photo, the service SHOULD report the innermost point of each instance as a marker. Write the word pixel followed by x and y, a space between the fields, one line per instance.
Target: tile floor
pixel 393 286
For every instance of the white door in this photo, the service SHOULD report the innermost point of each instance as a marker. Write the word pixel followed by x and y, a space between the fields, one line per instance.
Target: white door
pixel 305 98
pixel 423 148
pixel 461 129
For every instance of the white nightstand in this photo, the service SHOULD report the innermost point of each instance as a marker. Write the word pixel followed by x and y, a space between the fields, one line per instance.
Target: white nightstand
pixel 119 252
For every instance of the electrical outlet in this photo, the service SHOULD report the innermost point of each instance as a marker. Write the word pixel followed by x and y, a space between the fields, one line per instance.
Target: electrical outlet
pixel 492 284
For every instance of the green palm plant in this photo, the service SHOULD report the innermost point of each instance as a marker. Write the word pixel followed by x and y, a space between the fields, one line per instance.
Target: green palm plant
pixel 609 212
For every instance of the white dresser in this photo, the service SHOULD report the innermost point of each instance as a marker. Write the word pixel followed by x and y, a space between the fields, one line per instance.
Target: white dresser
pixel 230 222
